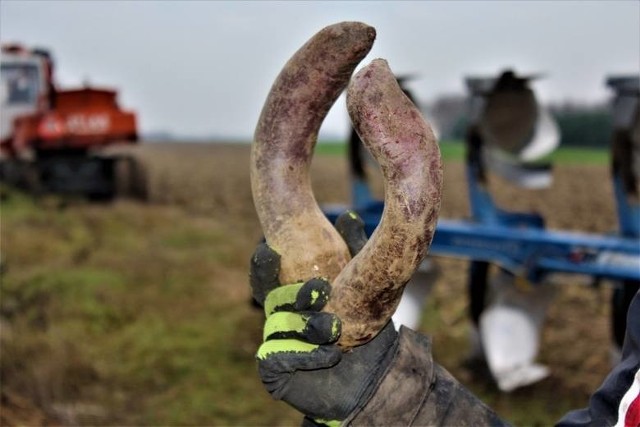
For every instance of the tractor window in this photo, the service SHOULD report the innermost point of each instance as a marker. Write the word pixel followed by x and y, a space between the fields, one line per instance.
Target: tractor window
pixel 21 82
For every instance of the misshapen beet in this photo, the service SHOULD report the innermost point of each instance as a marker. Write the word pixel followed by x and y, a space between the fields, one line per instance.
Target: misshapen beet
pixel 367 291
pixel 284 140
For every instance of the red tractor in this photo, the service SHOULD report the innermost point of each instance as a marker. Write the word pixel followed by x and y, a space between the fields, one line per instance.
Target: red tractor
pixel 54 141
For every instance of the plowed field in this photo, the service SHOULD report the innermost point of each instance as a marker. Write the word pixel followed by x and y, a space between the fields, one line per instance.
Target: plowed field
pixel 200 207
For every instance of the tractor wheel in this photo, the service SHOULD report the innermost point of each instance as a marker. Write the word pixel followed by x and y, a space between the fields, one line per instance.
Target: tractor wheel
pixel 139 181
pixel 131 179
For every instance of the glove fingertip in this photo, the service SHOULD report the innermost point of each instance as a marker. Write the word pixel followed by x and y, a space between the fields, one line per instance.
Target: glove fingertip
pixel 323 328
pixel 351 227
pixel 264 271
pixel 348 220
pixel 313 295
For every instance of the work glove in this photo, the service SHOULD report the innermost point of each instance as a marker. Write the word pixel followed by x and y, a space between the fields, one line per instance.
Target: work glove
pixel 298 361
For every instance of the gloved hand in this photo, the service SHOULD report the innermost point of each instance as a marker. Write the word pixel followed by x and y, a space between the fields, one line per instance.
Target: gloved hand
pixel 298 361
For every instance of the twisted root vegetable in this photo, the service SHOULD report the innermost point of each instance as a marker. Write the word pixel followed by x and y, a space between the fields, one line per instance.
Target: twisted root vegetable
pixel 284 140
pixel 367 291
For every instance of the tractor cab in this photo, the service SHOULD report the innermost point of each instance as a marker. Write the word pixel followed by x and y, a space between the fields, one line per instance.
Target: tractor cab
pixel 24 85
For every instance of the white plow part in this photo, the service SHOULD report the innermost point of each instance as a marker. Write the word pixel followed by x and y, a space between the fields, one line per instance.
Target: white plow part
pixel 510 332
pixel 512 170
pixel 545 139
pixel 414 298
pixel 513 166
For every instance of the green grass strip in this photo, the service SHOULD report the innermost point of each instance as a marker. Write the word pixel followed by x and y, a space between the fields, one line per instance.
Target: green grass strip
pixel 455 151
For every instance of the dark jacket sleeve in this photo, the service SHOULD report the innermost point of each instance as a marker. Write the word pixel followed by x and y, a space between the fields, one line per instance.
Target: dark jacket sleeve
pixel 416 391
pixel 617 401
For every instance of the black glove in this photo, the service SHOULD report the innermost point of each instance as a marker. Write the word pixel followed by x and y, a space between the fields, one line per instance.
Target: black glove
pixel 298 361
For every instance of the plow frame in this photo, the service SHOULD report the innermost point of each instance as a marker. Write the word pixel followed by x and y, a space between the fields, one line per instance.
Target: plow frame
pixel 519 241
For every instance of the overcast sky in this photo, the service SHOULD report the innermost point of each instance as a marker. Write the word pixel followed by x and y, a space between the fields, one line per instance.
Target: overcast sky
pixel 204 68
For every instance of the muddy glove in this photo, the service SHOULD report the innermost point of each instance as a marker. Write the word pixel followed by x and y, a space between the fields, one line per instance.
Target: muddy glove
pixel 265 262
pixel 298 361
